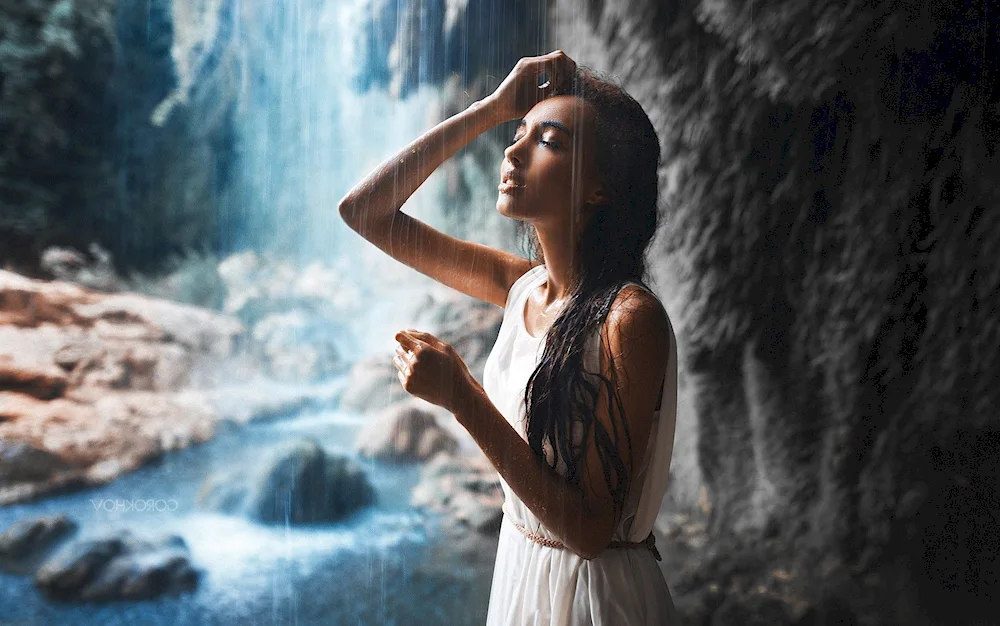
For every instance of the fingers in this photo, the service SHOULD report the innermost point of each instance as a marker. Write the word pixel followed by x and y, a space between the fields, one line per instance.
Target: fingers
pixel 403 364
pixel 558 68
pixel 405 355
pixel 427 338
pixel 408 339
pixel 543 78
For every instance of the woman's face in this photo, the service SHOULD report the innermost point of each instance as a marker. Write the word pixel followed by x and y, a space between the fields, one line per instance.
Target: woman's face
pixel 549 170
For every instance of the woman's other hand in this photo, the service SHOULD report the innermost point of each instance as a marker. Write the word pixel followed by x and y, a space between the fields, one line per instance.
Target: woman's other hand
pixel 430 369
pixel 532 80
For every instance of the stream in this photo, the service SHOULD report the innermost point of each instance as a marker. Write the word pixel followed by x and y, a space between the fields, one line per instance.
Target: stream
pixel 382 565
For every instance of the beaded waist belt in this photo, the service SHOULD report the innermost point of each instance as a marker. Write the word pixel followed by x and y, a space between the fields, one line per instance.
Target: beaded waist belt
pixel 649 543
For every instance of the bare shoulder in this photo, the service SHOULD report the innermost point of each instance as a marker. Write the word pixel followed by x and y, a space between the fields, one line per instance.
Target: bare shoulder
pixel 637 315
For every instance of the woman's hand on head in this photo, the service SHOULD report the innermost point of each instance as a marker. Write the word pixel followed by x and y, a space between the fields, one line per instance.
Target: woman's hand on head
pixel 431 369
pixel 532 80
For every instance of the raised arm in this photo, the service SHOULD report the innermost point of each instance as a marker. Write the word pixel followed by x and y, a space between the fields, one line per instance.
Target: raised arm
pixel 371 208
pixel 390 185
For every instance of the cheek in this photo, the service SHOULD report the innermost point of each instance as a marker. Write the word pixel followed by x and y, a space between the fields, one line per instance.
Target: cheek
pixel 555 177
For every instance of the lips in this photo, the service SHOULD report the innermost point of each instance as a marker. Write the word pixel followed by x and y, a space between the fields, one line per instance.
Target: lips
pixel 512 180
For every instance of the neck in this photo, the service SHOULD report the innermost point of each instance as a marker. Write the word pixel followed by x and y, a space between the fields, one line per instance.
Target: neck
pixel 559 252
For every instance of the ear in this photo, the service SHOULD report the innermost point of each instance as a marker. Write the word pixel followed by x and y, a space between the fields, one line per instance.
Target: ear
pixel 597 197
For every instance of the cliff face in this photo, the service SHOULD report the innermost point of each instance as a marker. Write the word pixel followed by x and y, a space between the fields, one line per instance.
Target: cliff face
pixel 114 125
pixel 51 127
pixel 830 251
pixel 832 166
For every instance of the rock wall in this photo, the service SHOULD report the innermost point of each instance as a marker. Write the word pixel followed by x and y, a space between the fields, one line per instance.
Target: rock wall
pixel 827 259
pixel 114 126
pixel 829 167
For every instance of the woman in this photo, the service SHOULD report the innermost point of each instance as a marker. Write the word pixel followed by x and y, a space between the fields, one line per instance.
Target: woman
pixel 578 403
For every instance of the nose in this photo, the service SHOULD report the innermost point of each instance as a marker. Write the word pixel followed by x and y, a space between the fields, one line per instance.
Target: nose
pixel 513 150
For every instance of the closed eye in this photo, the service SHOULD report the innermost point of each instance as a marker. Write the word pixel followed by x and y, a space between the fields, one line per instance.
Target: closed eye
pixel 551 144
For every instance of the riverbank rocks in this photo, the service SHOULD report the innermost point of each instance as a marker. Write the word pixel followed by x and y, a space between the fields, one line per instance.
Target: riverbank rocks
pixel 465 490
pixel 91 438
pixel 372 385
pixel 299 345
pixel 298 483
pixel 27 542
pixel 56 336
pixel 93 384
pixel 295 314
pixel 21 462
pixel 118 567
pixel 405 432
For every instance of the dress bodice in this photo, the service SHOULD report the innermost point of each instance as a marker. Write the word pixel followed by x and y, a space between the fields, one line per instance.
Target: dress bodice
pixel 515 356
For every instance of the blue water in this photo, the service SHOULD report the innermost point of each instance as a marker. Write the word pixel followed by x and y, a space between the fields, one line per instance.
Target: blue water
pixel 363 570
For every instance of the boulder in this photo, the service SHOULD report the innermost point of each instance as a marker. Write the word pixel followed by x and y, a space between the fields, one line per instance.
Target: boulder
pixel 92 439
pixel 22 462
pixel 28 541
pixel 465 490
pixel 405 432
pixel 372 384
pixel 118 567
pixel 298 483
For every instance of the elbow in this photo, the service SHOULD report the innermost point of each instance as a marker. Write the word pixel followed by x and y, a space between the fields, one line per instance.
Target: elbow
pixel 588 555
pixel 346 212
pixel 346 208
pixel 592 550
pixel 590 545
pixel 596 538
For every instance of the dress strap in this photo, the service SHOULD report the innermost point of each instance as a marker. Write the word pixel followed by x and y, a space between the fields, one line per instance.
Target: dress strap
pixel 519 285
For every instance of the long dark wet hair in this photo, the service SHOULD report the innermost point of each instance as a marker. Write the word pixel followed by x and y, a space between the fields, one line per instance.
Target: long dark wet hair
pixel 611 252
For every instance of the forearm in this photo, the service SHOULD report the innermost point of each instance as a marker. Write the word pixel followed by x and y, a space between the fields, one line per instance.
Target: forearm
pixel 557 503
pixel 388 187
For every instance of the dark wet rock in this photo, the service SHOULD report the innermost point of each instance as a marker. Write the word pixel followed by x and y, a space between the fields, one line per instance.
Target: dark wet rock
pixel 118 567
pixel 405 432
pixel 832 611
pixel 23 462
pixel 299 483
pixel 24 544
pixel 752 611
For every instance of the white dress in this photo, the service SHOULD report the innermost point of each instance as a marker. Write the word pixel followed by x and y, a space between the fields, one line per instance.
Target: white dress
pixel 535 585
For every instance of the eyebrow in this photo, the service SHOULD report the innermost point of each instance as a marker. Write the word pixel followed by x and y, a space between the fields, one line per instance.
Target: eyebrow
pixel 549 124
